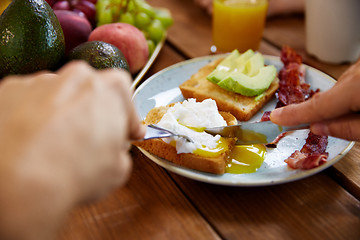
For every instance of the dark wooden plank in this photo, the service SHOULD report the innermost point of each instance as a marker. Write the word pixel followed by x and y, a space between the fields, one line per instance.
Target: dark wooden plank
pixel 150 206
pixel 313 208
pixel 347 171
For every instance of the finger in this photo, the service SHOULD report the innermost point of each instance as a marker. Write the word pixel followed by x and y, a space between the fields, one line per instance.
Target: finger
pixel 120 81
pixel 74 66
pixel 119 174
pixel 339 100
pixel 347 127
pixel 75 78
pixel 76 72
pixel 124 167
pixel 353 70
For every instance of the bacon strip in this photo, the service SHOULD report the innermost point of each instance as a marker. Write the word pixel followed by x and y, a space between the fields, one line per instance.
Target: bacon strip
pixel 294 89
pixel 311 155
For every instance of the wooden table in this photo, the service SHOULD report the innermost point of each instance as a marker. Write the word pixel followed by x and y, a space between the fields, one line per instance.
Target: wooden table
pixel 157 204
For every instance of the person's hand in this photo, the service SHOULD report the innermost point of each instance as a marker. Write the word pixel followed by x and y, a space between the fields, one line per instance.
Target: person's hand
pixel 334 112
pixel 64 140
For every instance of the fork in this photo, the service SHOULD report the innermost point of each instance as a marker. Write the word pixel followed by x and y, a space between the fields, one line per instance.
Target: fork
pixel 154 131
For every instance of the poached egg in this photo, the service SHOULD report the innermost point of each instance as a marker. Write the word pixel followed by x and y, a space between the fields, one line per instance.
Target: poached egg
pixel 190 118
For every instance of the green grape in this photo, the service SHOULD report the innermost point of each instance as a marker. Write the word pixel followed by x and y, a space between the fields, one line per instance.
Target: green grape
pixel 131 6
pixel 151 21
pixel 104 17
pixel 142 20
pixel 146 8
pixel 114 10
pixel 127 17
pixel 102 13
pixel 156 31
pixel 151 46
pixel 165 17
pixel 101 5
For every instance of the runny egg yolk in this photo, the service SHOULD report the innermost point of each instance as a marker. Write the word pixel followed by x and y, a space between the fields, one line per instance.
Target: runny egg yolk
pixel 222 147
pixel 242 158
pixel 245 158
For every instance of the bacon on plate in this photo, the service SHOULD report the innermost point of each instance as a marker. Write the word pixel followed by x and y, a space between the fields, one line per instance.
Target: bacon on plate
pixel 312 154
pixel 293 89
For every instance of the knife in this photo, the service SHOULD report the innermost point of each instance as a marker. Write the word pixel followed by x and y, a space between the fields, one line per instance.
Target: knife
pixel 252 133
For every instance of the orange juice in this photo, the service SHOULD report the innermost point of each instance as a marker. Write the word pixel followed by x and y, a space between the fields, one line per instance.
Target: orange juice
pixel 3 5
pixel 238 24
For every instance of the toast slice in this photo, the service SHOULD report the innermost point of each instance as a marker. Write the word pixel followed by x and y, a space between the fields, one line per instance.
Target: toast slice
pixel 242 107
pixel 167 151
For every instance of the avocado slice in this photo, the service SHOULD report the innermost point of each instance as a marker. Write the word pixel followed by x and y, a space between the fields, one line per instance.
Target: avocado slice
pixel 235 62
pixel 241 61
pixel 249 86
pixel 31 38
pixel 224 67
pixel 254 64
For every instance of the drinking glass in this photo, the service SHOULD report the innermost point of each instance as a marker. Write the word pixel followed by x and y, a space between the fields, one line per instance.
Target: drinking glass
pixel 3 5
pixel 238 24
pixel 332 30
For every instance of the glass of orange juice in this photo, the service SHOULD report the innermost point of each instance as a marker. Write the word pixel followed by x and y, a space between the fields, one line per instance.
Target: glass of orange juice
pixel 3 5
pixel 238 24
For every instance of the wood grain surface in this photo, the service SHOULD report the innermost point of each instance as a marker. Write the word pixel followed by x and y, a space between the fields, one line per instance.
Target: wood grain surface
pixel 157 204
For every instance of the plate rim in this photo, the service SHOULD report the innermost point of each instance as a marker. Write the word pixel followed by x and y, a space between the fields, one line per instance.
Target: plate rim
pixel 202 176
pixel 211 178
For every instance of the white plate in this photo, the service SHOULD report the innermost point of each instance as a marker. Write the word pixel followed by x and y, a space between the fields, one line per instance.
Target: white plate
pixel 162 89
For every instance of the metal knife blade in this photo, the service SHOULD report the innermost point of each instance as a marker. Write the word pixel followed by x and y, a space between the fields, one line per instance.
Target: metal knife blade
pixel 252 133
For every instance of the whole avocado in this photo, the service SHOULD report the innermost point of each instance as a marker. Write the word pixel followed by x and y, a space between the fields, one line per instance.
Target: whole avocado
pixel 100 55
pixel 31 38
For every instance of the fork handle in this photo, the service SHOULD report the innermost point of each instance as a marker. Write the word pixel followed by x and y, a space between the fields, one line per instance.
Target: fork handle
pixel 153 131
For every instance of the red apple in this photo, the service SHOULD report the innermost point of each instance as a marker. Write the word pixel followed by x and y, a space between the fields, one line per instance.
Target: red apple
pixel 129 39
pixel 76 28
